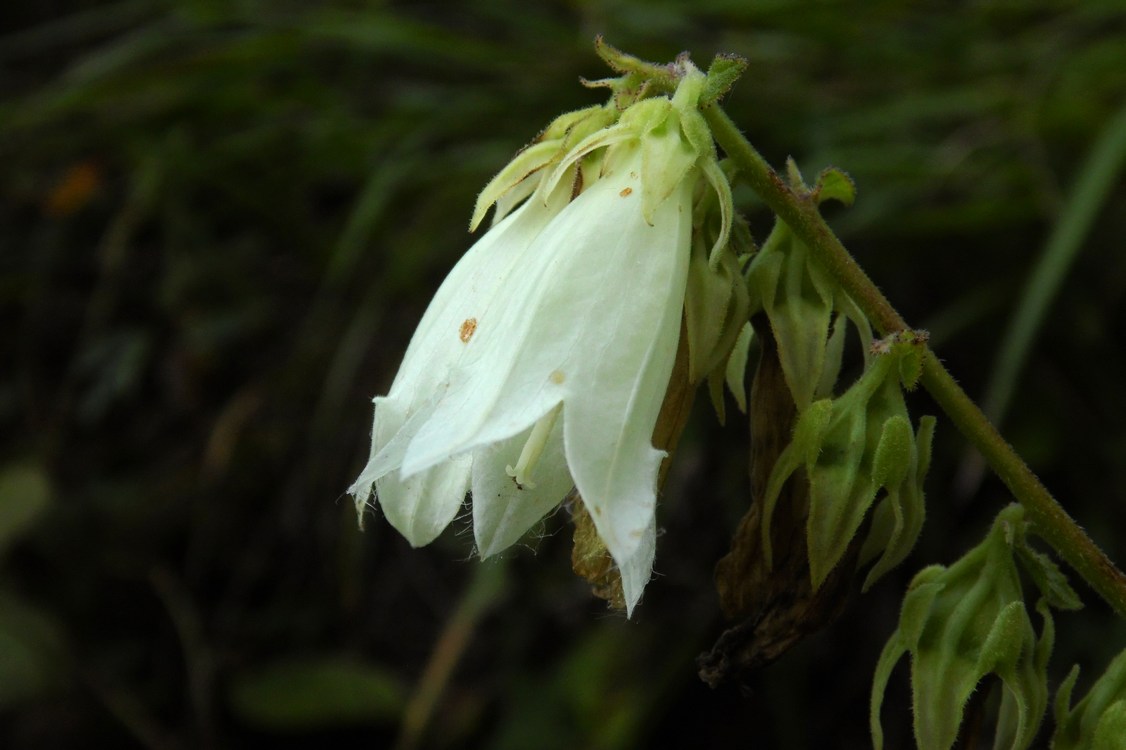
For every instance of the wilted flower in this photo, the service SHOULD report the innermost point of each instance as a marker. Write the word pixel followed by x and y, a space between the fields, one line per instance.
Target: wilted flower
pixel 542 361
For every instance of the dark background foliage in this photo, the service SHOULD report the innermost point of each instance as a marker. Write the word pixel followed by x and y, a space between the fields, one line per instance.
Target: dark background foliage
pixel 219 224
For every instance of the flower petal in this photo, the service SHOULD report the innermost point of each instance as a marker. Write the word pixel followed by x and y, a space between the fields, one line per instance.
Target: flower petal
pixel 638 568
pixel 592 318
pixel 608 432
pixel 441 338
pixel 448 326
pixel 502 511
pixel 421 506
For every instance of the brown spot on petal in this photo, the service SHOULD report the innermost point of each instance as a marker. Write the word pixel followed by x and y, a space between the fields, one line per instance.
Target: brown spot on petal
pixel 557 377
pixel 625 192
pixel 468 328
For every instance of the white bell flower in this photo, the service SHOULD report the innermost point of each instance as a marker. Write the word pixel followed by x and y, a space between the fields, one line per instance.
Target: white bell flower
pixel 542 362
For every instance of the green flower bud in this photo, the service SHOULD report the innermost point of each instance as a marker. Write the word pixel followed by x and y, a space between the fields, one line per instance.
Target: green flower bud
pixel 717 303
pixel 851 448
pixel 797 296
pixel 1098 722
pixel 962 623
pixel 898 517
pixel 715 309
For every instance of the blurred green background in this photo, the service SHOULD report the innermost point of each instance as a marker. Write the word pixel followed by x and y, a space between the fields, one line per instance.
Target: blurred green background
pixel 219 224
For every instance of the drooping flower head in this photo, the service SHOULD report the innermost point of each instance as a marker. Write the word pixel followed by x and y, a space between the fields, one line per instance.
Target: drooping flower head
pixel 542 362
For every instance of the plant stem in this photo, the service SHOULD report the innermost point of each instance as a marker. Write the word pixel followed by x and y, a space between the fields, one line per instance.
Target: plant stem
pixel 800 212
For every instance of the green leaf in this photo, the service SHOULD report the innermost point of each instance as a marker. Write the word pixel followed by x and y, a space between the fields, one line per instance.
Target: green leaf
pixel 1048 577
pixel 316 691
pixel 34 654
pixel 724 71
pixel 24 495
pixel 834 184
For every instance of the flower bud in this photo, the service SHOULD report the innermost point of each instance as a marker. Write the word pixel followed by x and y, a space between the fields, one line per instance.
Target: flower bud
pixel 962 623
pixel 1098 722
pixel 851 448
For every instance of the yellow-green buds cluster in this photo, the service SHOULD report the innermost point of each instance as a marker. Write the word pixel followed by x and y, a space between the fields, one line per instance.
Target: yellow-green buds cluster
pixel 852 447
pixel 803 303
pixel 1098 722
pixel 967 621
pixel 855 446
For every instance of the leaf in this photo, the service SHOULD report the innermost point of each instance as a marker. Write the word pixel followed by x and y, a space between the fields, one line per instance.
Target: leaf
pixel 1098 721
pixel 33 652
pixel 316 691
pixel 24 495
pixel 1048 577
pixel 724 71
pixel 834 184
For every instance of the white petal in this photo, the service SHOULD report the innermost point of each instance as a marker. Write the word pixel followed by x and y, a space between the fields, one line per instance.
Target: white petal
pixel 559 304
pixel 502 512
pixel 638 568
pixel 622 381
pixel 443 334
pixel 391 432
pixel 421 506
pixel 592 318
pixel 441 338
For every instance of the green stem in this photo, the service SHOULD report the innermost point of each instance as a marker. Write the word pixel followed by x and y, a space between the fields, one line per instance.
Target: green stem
pixel 1051 521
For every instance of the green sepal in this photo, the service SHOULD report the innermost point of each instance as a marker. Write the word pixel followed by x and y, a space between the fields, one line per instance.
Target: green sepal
pixel 912 346
pixel 894 452
pixel 724 71
pixel 834 355
pixel 1098 721
pixel 735 372
pixel 628 65
pixel 1111 728
pixel 666 156
pixel 851 448
pixel 797 295
pixel 842 481
pixel 803 450
pixel 716 305
pixel 840 493
pixel 914 614
pixel 1023 676
pixel 800 299
pixel 869 446
pixel 834 184
pixel 960 624
pixel 898 518
pixel 547 149
pixel 1047 576
pixel 794 176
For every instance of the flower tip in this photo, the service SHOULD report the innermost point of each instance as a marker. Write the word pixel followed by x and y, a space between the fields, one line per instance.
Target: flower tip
pixel 479 213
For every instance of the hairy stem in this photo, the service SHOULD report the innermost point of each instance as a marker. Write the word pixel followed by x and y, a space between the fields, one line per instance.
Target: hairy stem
pixel 1050 520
